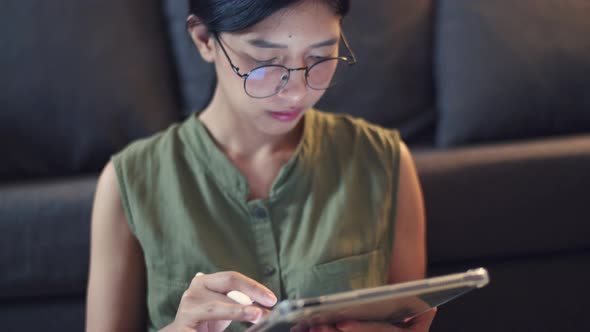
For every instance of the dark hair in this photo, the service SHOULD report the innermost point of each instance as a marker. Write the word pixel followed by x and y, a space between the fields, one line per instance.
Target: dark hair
pixel 236 15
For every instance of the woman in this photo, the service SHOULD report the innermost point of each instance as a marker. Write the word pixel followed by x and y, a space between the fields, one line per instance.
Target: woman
pixel 259 191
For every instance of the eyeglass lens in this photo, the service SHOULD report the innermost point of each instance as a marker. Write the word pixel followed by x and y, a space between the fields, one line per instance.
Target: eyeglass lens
pixel 266 81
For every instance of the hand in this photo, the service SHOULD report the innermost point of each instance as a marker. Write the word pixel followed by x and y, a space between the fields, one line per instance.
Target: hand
pixel 204 306
pixel 418 324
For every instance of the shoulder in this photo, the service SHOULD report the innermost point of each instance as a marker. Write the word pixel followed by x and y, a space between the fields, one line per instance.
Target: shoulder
pixel 355 135
pixel 107 183
pixel 349 123
pixel 108 205
pixel 345 125
pixel 146 147
pixel 141 163
pixel 164 149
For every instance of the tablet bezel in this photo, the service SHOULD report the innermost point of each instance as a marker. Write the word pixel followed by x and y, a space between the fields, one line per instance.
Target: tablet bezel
pixel 292 311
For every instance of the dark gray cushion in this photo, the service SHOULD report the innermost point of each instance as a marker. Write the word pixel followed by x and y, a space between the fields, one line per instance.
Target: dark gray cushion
pixel 507 200
pixel 512 69
pixel 80 79
pixel 44 237
pixel 391 85
pixel 64 314
pixel 196 77
pixel 531 293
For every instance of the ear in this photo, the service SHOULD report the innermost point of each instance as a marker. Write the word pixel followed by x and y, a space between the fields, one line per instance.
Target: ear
pixel 201 37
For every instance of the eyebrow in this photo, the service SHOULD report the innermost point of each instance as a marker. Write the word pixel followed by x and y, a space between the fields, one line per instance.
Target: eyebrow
pixel 262 43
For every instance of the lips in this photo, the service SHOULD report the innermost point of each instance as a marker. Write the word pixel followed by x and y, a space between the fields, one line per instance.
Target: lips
pixel 286 115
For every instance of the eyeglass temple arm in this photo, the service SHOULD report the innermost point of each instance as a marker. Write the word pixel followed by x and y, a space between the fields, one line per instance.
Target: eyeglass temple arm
pixel 234 67
pixel 345 41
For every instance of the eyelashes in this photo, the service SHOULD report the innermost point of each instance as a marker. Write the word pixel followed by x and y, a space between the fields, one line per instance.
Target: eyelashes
pixel 312 59
pixel 265 62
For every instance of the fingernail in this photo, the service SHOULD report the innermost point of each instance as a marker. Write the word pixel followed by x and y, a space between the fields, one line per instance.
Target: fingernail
pixel 270 298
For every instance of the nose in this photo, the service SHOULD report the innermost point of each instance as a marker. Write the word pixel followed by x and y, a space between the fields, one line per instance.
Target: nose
pixel 296 87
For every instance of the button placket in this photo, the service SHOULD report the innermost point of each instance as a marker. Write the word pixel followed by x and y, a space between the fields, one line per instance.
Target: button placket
pixel 266 247
pixel 268 270
pixel 260 212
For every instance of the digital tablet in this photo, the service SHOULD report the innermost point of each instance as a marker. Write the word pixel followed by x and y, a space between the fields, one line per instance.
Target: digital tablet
pixel 395 304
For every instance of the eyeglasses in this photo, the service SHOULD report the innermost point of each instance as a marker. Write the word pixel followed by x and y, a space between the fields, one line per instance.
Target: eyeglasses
pixel 268 80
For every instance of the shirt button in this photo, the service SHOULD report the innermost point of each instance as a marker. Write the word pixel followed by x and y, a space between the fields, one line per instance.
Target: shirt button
pixel 269 270
pixel 260 212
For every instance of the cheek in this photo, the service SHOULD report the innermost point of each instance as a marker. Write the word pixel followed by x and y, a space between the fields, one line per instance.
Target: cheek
pixel 229 82
pixel 315 95
pixel 227 77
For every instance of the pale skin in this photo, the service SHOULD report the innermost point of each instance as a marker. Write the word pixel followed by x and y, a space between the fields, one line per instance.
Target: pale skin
pixel 259 146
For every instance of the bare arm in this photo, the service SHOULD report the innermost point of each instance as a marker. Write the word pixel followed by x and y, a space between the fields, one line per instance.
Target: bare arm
pixel 116 284
pixel 408 261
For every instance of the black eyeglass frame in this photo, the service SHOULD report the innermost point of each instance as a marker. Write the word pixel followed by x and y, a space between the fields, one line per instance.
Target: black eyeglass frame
pixel 349 60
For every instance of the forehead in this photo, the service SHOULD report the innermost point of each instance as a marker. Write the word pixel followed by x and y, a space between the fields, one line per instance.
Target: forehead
pixel 306 20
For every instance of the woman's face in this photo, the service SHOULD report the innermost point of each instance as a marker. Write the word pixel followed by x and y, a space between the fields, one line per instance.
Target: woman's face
pixel 295 37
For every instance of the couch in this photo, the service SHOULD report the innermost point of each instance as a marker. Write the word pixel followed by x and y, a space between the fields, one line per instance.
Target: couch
pixel 491 96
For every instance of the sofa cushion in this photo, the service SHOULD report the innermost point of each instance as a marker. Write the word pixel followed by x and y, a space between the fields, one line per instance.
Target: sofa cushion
pixel 79 81
pixel 512 69
pixel 195 76
pixel 391 84
pixel 524 294
pixel 507 200
pixel 63 313
pixel 44 237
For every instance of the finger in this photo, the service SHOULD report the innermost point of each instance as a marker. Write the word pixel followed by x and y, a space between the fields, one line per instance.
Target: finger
pixel 423 322
pixel 224 282
pixel 265 312
pixel 197 295
pixel 220 310
pixel 190 300
pixel 235 295
pixel 430 314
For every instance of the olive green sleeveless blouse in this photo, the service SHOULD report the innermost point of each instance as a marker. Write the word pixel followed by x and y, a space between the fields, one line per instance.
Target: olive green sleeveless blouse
pixel 326 225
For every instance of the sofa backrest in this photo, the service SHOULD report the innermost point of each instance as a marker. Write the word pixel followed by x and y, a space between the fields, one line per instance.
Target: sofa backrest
pixel 392 84
pixel 82 79
pixel 79 80
pixel 510 70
